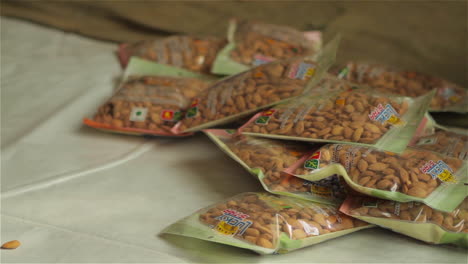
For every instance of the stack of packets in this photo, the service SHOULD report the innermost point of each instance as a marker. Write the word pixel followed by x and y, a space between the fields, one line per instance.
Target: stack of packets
pixel 336 148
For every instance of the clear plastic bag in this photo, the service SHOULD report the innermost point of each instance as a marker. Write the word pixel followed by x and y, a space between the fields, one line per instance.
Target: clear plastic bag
pixel 357 116
pixel 254 43
pixel 148 104
pixel 447 141
pixel 413 219
pixel 414 175
pixel 267 224
pixel 240 95
pixel 193 53
pixel 449 96
pixel 266 159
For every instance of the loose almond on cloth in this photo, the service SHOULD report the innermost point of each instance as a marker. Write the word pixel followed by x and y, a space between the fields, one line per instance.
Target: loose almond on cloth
pixel 150 100
pixel 14 244
pixel 267 224
pixel 412 219
pixel 248 92
pixel 267 158
pixel 449 97
pixel 355 116
pixel 254 43
pixel 188 52
pixel 415 175
pixel 452 142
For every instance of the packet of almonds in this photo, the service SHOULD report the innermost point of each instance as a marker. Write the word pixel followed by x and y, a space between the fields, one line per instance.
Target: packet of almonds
pixel 452 142
pixel 243 94
pixel 412 219
pixel 267 224
pixel 254 43
pixel 150 100
pixel 266 159
pixel 414 175
pixel 449 97
pixel 356 116
pixel 188 52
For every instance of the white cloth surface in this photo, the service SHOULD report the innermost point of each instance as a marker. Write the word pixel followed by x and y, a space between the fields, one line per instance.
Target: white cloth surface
pixel 74 194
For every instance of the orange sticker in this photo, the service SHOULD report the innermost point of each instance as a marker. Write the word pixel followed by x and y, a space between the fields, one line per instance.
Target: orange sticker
pixel 295 153
pixel 167 115
pixel 454 98
pixel 194 102
pixel 271 41
pixel 340 101
pixel 268 112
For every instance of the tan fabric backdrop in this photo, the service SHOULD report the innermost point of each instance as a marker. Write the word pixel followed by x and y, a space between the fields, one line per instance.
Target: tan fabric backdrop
pixel 428 36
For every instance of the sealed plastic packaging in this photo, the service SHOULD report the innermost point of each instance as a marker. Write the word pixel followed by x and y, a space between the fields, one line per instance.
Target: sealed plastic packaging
pixel 150 100
pixel 415 175
pixel 356 116
pixel 452 142
pixel 412 219
pixel 266 159
pixel 254 43
pixel 237 96
pixel 188 52
pixel 267 224
pixel 449 96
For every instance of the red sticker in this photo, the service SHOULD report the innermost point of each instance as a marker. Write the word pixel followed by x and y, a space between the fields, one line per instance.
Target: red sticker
pixel 167 115
pixel 194 103
pixel 316 155
pixel 268 112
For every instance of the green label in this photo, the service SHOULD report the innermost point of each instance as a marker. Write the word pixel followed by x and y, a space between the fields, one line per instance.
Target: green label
pixel 262 120
pixel 343 73
pixel 192 112
pixel 312 164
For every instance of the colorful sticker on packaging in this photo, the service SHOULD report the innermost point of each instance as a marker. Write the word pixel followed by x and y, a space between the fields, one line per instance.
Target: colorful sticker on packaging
pixel 386 114
pixel 171 115
pixel 301 71
pixel 448 94
pixel 264 117
pixel 193 110
pixel 343 73
pixel 439 170
pixel 138 114
pixel 232 222
pixel 261 59
pixel 340 102
pixel 313 162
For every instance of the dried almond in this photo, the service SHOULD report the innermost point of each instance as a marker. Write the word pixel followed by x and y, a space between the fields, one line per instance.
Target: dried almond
pixel 11 244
